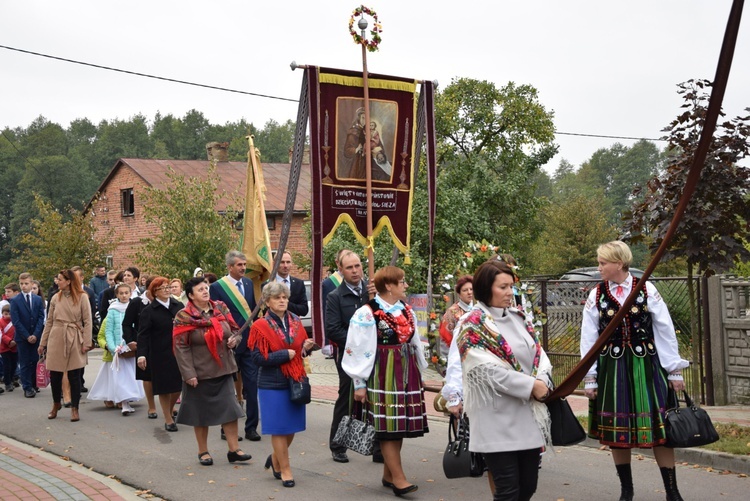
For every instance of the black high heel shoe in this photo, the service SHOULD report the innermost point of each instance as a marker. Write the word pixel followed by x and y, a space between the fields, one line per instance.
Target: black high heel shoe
pixel 388 484
pixel 170 426
pixel 288 483
pixel 269 464
pixel 205 462
pixel 233 456
pixel 406 490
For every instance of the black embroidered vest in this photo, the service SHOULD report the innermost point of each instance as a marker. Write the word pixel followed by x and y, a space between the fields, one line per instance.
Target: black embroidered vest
pixel 635 332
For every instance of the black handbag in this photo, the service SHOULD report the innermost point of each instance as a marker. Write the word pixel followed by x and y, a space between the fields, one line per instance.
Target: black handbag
pixel 458 460
pixel 565 428
pixel 299 391
pixel 688 426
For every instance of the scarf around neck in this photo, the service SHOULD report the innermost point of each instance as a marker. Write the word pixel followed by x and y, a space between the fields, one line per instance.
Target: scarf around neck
pixel 191 318
pixel 483 350
pixel 267 337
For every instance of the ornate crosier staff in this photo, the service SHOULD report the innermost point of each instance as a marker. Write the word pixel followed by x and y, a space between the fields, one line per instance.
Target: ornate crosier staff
pixel 372 46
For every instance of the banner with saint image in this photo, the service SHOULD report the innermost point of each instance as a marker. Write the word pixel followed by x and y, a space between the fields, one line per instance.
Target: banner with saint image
pixel 339 145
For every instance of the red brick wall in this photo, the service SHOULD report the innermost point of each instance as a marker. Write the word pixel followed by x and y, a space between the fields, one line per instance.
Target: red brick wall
pixel 128 231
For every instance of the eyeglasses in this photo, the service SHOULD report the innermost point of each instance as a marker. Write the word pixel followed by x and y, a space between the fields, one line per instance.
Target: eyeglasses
pixel 163 288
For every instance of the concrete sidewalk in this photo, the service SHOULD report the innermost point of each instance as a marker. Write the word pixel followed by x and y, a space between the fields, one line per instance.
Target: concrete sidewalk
pixel 29 472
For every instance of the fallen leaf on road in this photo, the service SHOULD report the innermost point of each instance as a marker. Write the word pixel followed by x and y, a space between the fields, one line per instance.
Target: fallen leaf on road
pixel 212 481
pixel 190 474
pixel 742 475
pixel 429 480
pixel 50 442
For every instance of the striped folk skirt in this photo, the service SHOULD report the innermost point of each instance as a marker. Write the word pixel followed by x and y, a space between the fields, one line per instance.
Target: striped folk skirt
pixel 395 394
pixel 631 401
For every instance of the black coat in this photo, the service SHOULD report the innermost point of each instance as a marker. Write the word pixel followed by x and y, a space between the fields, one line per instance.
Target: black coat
pixel 155 343
pixel 340 307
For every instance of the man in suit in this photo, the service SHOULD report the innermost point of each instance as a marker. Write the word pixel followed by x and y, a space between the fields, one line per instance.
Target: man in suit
pixel 342 302
pixel 27 314
pixel 297 293
pixel 236 292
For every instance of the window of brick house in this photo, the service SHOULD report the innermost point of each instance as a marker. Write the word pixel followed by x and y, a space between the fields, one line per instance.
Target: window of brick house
pixel 271 222
pixel 127 202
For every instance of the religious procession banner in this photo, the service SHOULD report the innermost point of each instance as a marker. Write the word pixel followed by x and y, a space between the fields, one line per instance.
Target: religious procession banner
pixel 338 148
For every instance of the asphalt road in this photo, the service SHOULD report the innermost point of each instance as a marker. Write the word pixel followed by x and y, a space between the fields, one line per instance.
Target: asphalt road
pixel 140 453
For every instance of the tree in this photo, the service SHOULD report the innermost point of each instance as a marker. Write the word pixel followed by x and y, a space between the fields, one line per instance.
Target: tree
pixel 492 143
pixel 55 242
pixel 714 228
pixel 573 229
pixel 191 232
pixel 712 233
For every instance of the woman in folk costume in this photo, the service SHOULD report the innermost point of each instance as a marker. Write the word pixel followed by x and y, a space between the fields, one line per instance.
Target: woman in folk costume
pixel 385 359
pixel 465 292
pixel 204 335
pixel 640 365
pixel 279 342
pixel 506 376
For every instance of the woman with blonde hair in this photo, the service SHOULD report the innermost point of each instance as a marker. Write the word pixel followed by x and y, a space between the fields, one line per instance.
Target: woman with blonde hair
pixel 629 385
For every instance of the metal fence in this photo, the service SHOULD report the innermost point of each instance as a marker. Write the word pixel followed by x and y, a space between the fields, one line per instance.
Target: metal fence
pixel 561 301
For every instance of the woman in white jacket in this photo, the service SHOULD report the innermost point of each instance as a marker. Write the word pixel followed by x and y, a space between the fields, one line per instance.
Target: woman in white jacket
pixel 506 376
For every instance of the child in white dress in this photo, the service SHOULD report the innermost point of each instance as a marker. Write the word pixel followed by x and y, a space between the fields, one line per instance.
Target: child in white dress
pixel 116 381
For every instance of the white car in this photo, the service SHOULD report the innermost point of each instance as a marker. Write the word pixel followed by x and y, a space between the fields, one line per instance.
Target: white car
pixel 307 319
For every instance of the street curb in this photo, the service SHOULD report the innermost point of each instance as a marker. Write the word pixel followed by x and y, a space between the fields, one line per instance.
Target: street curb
pixel 696 455
pixel 125 491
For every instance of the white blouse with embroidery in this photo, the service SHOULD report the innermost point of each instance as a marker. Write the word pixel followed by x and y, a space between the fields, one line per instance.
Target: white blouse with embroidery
pixel 362 340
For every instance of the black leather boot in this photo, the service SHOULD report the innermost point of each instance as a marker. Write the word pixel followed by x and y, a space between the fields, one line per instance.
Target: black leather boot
pixel 670 484
pixel 626 481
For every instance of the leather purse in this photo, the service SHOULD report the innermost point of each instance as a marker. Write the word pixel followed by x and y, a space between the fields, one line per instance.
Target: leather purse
pixel 565 427
pixel 458 460
pixel 355 434
pixel 300 391
pixel 688 426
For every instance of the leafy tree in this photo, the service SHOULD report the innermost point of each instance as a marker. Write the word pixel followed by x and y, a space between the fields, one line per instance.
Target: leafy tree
pixel 190 231
pixel 275 140
pixel 55 242
pixel 714 229
pixel 120 139
pixel 492 143
pixel 573 228
pixel 712 233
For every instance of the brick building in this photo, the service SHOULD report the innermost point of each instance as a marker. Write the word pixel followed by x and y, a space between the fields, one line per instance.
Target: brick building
pixel 119 210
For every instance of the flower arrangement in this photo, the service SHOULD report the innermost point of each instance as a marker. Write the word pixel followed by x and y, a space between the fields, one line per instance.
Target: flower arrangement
pixel 474 254
pixel 377 28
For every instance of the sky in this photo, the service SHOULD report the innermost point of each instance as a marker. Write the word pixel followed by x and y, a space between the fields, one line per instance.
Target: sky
pixel 602 67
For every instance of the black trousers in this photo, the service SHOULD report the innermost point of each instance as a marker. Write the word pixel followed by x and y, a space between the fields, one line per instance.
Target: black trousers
pixel 55 382
pixel 515 473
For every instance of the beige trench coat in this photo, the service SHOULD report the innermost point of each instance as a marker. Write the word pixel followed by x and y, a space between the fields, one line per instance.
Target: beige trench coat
pixel 67 331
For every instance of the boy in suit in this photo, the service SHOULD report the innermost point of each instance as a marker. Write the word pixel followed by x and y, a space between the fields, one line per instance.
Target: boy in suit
pixel 27 313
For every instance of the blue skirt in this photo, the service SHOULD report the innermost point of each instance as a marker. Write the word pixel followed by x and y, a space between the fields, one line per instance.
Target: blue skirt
pixel 278 414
